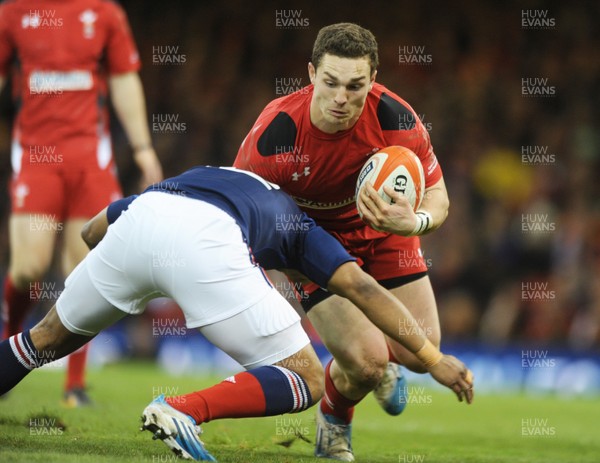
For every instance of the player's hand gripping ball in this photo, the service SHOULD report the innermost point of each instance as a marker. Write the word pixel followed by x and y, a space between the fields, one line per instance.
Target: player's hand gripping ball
pixel 398 168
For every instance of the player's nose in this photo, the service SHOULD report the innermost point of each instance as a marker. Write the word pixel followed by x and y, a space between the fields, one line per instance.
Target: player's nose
pixel 340 96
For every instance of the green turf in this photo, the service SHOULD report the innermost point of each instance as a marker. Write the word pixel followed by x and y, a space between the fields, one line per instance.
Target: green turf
pixel 35 428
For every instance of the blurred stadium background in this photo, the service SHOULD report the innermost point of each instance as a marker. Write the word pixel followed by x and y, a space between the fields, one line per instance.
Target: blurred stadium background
pixel 509 93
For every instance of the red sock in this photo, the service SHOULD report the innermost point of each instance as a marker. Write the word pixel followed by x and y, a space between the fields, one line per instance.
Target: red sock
pixel 15 307
pixel 334 403
pixel 76 368
pixel 263 391
pixel 391 357
pixel 238 396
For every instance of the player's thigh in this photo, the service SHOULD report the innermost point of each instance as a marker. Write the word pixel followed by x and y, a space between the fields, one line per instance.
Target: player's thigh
pixel 205 264
pixel 74 248
pixel 419 298
pixel 81 308
pixel 37 200
pixel 358 346
pixel 32 241
pixel 264 334
pixel 185 249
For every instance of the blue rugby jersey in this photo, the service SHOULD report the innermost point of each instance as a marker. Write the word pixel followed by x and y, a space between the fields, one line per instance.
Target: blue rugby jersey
pixel 277 232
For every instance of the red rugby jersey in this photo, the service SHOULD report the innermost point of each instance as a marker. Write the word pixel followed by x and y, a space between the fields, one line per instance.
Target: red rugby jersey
pixel 63 51
pixel 320 170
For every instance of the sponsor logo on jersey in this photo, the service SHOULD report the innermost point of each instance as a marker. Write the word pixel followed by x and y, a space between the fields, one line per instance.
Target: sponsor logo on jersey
pixel 305 173
pixel 58 82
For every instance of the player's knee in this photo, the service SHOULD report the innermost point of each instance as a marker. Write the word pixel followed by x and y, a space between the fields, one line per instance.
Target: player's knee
pixel 24 280
pixel 365 365
pixel 314 378
pixel 368 373
pixel 24 274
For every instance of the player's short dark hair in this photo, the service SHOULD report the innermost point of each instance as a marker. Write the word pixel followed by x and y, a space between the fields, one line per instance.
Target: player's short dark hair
pixel 346 40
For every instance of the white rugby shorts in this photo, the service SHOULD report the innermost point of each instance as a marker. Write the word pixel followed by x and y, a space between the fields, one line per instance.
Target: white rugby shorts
pixel 166 245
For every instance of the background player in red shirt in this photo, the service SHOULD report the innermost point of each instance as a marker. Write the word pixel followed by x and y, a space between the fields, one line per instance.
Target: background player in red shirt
pixel 67 55
pixel 313 144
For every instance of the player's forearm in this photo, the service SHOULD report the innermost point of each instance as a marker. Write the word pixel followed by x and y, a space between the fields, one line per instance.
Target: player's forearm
pixel 95 229
pixel 379 305
pixel 127 96
pixel 436 204
pixel 2 80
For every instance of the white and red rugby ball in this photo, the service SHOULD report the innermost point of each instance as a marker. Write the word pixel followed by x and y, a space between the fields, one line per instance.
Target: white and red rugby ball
pixel 397 167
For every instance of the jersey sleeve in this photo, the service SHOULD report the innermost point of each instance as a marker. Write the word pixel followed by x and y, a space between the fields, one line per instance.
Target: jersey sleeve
pixel 321 255
pixel 6 45
pixel 121 53
pixel 258 153
pixel 115 209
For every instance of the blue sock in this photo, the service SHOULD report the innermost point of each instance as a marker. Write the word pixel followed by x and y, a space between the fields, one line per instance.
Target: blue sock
pixel 18 357
pixel 285 390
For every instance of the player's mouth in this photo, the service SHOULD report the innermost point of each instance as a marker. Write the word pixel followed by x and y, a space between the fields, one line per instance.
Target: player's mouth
pixel 338 114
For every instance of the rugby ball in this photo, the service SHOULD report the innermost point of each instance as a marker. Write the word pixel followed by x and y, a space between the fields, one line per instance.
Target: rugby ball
pixel 397 167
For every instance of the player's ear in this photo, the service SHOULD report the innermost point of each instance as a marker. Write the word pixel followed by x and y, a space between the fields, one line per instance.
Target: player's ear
pixel 372 80
pixel 312 72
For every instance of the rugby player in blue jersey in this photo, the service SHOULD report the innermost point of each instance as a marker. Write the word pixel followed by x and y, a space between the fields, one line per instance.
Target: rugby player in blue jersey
pixel 203 238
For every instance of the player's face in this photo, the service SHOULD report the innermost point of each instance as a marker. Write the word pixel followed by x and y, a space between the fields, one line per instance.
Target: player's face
pixel 341 86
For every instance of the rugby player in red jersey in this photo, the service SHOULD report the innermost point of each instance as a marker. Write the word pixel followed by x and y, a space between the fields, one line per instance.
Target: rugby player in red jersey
pixel 66 56
pixel 313 143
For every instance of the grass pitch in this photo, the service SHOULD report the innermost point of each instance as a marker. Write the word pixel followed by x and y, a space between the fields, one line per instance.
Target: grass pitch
pixel 434 427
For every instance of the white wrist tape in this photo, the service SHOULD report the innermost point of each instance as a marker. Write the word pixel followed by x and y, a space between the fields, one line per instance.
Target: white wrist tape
pixel 424 223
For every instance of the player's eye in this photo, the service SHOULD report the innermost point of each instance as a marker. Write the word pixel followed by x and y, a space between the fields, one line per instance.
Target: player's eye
pixel 330 83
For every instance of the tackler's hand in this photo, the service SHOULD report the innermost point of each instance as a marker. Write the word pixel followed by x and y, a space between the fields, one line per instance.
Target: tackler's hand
pixel 453 374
